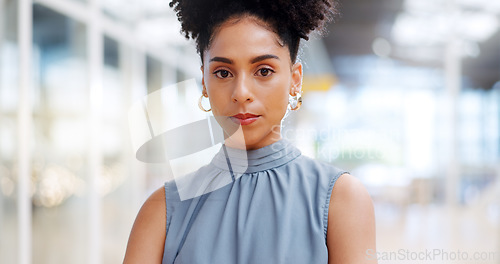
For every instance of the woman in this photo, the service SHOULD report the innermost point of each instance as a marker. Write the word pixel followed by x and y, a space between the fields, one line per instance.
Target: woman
pixel 279 206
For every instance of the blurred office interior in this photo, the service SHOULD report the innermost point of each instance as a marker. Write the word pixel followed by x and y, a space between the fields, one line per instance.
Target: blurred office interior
pixel 405 94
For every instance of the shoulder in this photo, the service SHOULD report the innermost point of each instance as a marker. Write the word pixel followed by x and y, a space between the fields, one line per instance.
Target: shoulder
pixel 147 237
pixel 154 206
pixel 351 222
pixel 348 189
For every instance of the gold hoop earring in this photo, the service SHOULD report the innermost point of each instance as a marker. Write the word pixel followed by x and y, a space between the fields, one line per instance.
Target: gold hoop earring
pixel 295 102
pixel 200 105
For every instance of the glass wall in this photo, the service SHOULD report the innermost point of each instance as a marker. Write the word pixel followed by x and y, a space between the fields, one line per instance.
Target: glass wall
pixel 60 163
pixel 414 114
pixel 115 181
pixel 61 197
pixel 8 130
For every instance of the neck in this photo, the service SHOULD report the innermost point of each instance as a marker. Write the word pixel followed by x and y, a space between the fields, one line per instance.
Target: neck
pixel 240 141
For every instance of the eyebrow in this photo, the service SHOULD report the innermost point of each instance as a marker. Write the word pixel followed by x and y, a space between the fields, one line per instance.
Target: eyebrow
pixel 264 57
pixel 254 60
pixel 221 59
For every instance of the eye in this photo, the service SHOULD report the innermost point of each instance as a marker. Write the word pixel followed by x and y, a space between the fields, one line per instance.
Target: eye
pixel 265 72
pixel 222 74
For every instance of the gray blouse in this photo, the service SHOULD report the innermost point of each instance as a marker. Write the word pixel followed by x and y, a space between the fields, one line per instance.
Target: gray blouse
pixel 268 205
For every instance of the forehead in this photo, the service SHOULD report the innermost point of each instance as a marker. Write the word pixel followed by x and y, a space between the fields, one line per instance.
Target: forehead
pixel 245 36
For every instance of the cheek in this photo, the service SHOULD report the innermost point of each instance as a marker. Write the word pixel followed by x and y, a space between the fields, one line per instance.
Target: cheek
pixel 278 87
pixel 279 100
pixel 215 102
pixel 219 101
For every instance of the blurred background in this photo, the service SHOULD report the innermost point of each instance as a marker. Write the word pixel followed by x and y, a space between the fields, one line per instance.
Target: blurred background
pixel 405 94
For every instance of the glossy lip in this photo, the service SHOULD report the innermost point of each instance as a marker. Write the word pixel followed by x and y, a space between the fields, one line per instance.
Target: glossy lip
pixel 244 119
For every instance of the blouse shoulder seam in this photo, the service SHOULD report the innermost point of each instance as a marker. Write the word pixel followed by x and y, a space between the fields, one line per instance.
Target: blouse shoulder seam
pixel 168 213
pixel 328 198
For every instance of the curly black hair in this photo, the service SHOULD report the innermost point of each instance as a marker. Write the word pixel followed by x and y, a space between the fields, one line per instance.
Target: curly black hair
pixel 290 19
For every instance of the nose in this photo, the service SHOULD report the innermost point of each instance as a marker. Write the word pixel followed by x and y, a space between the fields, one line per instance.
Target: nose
pixel 242 91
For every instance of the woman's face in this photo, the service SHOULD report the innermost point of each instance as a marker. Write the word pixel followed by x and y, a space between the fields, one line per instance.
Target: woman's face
pixel 248 75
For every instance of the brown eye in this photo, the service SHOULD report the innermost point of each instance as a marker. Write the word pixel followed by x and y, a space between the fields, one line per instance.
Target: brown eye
pixel 265 72
pixel 222 74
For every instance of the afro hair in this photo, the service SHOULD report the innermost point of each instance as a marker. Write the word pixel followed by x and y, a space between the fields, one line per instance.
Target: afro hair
pixel 290 19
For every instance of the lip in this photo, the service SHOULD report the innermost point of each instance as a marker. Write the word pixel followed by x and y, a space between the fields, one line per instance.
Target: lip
pixel 244 118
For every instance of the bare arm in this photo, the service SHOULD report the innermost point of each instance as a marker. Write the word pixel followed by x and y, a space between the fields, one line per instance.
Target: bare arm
pixel 147 238
pixel 351 224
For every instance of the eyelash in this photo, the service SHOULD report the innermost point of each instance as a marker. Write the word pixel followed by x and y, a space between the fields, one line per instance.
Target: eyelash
pixel 271 71
pixel 217 72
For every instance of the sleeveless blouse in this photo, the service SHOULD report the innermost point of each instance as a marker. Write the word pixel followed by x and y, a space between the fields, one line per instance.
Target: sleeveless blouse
pixel 268 205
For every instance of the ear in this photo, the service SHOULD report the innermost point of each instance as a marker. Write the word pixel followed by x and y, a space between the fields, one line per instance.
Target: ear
pixel 204 88
pixel 296 85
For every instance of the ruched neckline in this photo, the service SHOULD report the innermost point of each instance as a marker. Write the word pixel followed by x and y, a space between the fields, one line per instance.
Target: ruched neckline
pixel 255 160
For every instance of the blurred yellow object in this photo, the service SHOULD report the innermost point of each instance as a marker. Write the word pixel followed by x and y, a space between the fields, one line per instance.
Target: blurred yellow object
pixel 318 82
